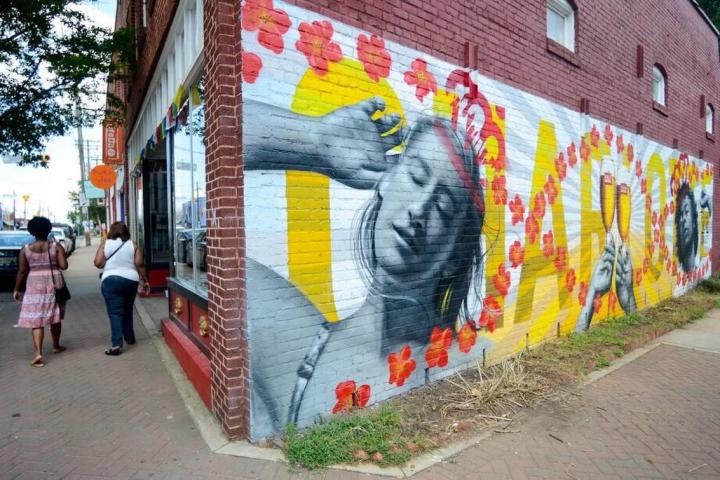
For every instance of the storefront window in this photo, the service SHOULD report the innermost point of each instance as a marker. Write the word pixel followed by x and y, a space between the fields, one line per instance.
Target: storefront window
pixel 188 179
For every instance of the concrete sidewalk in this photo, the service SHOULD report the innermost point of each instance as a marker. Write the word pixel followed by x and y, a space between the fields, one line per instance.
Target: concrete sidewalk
pixel 89 416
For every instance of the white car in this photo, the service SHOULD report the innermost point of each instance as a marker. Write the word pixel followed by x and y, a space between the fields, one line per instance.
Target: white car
pixel 59 235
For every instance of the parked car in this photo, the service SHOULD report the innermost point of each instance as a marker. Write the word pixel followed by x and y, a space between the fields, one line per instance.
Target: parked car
pixel 69 232
pixel 11 242
pixel 59 235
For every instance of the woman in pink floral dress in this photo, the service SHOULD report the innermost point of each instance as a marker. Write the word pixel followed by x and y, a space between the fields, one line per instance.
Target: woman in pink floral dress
pixel 35 287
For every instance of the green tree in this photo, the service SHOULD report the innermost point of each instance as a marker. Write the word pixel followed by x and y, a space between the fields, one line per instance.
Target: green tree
pixel 712 8
pixel 52 57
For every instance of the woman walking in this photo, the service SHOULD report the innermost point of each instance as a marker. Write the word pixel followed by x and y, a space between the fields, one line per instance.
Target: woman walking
pixel 38 276
pixel 123 271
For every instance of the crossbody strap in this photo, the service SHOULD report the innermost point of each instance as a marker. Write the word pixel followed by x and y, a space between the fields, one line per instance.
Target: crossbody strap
pixel 52 274
pixel 114 252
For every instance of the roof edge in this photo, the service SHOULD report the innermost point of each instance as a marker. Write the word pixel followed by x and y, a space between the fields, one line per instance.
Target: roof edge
pixel 705 17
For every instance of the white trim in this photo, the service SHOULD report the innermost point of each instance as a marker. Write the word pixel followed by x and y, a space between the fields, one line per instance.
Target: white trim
pixel 660 80
pixel 168 75
pixel 709 118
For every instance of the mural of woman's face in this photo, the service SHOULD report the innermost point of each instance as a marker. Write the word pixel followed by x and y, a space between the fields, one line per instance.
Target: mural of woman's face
pixel 686 220
pixel 422 215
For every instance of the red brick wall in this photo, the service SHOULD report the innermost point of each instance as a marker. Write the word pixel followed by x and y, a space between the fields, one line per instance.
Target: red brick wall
pixel 226 234
pixel 512 48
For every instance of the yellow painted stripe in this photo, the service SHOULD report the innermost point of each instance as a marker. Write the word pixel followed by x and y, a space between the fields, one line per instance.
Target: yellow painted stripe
pixel 309 240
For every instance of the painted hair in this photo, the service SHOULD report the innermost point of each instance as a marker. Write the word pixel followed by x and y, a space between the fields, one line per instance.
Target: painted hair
pixel 686 251
pixel 453 286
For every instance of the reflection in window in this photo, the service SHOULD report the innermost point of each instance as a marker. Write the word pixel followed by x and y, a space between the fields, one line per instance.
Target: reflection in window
pixel 190 218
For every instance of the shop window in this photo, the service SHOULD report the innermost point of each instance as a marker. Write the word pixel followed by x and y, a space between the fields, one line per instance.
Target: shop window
pixel 709 119
pixel 188 180
pixel 659 85
pixel 561 23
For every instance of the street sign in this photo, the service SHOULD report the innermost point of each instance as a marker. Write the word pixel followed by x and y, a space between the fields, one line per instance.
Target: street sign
pixel 92 191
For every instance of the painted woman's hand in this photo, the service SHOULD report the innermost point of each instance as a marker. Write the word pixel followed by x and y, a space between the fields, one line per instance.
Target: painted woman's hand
pixel 356 139
pixel 624 281
pixel 602 276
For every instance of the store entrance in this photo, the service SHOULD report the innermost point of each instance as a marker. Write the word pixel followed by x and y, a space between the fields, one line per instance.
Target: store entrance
pixel 155 219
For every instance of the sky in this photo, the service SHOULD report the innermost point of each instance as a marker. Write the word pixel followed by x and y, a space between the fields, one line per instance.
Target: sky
pixel 48 188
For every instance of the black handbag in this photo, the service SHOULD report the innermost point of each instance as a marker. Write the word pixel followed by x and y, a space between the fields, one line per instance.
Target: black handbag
pixel 62 294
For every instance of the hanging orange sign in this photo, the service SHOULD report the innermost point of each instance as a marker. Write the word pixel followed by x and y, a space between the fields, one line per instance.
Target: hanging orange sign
pixel 113 138
pixel 103 176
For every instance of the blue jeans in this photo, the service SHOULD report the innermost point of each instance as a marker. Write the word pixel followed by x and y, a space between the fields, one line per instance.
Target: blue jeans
pixel 119 293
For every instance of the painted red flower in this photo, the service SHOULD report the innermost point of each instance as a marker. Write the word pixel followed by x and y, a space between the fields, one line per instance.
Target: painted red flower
pixel 597 303
pixel 594 136
pixel 643 185
pixel 423 80
pixel 561 259
pixel 638 276
pixel 582 295
pixel 672 207
pixel 656 235
pixel 466 338
pixel 608 135
pixel 517 254
pixel 401 366
pixel 317 45
pixel 348 396
pixel 651 249
pixel 539 206
pixel 561 166
pixel 638 168
pixel 646 264
pixel 551 190
pixel 584 151
pixel 437 353
pixel 517 208
pixel 548 247
pixel 620 144
pixel 531 228
pixel 612 300
pixel 654 218
pixel 630 153
pixel 499 190
pixel 490 312
pixel 570 280
pixel 271 23
pixel 251 65
pixel 572 155
pixel 502 280
pixel 674 267
pixel 648 202
pixel 374 57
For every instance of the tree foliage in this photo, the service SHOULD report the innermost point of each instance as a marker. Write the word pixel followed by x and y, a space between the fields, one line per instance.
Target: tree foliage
pixel 712 8
pixel 52 56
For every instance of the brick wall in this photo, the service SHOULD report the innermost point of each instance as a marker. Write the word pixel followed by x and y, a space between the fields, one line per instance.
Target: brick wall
pixel 369 274
pixel 225 238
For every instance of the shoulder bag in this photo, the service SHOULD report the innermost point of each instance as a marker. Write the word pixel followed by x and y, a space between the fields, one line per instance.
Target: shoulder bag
pixel 62 294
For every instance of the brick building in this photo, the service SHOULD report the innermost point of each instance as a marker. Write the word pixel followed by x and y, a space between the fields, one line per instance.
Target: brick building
pixel 349 199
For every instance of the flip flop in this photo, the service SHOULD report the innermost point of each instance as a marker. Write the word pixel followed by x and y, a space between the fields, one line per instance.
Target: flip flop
pixel 38 362
pixel 59 349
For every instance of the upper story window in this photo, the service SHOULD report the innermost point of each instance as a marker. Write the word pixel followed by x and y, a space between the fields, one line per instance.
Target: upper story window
pixel 561 23
pixel 709 119
pixel 659 85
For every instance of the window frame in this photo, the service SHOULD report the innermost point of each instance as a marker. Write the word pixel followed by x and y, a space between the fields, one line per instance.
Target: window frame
pixel 709 119
pixel 566 10
pixel 657 68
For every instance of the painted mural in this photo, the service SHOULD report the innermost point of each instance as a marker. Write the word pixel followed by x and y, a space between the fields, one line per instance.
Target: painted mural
pixel 406 217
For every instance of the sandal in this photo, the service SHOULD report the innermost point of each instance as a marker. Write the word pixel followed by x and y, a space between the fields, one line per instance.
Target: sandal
pixel 115 351
pixel 59 349
pixel 38 362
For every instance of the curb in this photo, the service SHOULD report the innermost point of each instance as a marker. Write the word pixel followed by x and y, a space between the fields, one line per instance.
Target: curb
pixel 217 442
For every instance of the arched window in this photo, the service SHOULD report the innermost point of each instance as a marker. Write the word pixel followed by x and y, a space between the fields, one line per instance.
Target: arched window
pixel 709 119
pixel 561 23
pixel 659 85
